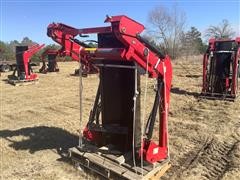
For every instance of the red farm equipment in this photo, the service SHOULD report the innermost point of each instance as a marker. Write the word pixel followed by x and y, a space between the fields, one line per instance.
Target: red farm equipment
pixel 113 142
pixel 65 36
pixel 221 69
pixel 51 66
pixel 23 68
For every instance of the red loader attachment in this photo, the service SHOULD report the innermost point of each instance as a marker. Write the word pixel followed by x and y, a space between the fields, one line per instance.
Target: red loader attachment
pixel 112 143
pixel 221 69
pixel 65 36
pixel 23 69
pixel 51 66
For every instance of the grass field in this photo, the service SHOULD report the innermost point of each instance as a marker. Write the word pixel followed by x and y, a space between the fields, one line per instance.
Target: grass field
pixel 39 120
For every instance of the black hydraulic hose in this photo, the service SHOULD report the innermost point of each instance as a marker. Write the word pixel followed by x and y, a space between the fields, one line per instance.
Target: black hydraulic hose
pixel 95 112
pixel 81 43
pixel 152 117
pixel 91 41
pixel 150 46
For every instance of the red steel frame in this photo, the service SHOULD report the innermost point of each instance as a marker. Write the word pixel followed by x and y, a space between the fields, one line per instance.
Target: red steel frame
pixel 26 58
pixel 126 31
pixel 46 53
pixel 233 87
pixel 64 35
pixel 49 51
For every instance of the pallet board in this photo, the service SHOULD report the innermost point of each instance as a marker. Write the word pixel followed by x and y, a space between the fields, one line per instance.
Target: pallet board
pixel 107 165
pixel 22 82
pixel 217 97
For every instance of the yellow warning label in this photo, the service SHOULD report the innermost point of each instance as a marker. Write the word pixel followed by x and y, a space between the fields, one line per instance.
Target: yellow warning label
pixel 90 49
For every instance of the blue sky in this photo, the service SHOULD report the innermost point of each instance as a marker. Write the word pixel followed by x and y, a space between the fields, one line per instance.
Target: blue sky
pixel 20 18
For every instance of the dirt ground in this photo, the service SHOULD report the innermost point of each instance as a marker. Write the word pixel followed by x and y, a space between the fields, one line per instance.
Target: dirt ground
pixel 38 121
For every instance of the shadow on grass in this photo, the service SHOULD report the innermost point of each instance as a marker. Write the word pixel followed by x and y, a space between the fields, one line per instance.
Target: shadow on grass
pixel 5 81
pixel 193 76
pixel 184 92
pixel 40 138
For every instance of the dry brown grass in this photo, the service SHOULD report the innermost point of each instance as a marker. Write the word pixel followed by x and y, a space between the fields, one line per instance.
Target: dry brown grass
pixel 36 120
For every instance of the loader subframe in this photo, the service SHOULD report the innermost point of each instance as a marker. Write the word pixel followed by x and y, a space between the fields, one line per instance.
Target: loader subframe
pixel 112 144
pixel 23 73
pixel 221 69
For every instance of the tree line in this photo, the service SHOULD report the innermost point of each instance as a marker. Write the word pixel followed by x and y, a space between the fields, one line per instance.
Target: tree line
pixel 7 50
pixel 166 28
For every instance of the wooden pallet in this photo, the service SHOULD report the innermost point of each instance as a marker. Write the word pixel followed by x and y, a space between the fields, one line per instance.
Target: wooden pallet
pixel 217 97
pixel 22 82
pixel 112 166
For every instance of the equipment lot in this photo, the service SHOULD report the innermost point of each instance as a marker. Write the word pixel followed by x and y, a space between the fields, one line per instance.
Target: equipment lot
pixel 37 120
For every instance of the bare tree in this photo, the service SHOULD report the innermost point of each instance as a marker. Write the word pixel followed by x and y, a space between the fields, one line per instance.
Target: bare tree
pixel 160 21
pixel 179 21
pixel 166 26
pixel 222 30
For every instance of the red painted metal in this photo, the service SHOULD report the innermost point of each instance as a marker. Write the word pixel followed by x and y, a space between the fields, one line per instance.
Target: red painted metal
pixel 95 30
pixel 26 58
pixel 64 35
pixel 92 136
pixel 45 53
pixel 236 69
pixel 152 152
pixel 230 82
pixel 126 31
pixel 49 51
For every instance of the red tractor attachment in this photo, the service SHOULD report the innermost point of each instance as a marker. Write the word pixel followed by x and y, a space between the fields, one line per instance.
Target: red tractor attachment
pixel 52 66
pixel 221 69
pixel 65 36
pixel 23 68
pixel 113 144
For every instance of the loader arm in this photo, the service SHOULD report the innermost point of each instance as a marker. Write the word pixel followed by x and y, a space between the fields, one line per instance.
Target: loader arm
pixel 27 56
pixel 65 36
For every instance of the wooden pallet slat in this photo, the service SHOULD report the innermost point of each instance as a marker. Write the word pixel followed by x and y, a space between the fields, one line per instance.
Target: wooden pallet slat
pixel 22 82
pixel 107 165
pixel 217 96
